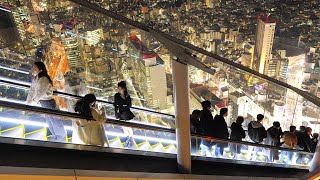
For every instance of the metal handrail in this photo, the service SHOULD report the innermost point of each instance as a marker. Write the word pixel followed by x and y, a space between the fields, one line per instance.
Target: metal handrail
pixel 315 100
pixel 80 97
pixel 58 113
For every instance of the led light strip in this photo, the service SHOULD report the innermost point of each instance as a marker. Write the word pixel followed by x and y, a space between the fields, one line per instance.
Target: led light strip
pixel 70 128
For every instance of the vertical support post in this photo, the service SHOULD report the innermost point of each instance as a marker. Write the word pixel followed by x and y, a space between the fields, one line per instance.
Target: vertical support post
pixel 181 97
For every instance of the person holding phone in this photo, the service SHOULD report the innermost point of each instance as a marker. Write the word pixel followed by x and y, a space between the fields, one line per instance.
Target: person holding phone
pixel 91 131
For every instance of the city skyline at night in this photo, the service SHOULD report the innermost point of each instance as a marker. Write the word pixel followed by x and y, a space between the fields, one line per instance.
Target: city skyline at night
pixel 88 52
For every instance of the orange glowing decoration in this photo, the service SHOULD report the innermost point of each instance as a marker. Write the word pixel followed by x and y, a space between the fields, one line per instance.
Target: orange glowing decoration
pixel 57 65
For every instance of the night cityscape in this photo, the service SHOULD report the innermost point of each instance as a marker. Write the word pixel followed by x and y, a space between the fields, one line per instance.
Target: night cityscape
pixel 88 52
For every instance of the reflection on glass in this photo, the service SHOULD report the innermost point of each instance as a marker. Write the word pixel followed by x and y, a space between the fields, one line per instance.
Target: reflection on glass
pixel 212 148
pixel 21 124
pixel 86 55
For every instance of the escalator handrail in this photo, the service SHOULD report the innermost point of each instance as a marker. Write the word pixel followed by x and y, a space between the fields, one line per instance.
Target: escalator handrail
pixel 315 100
pixel 23 107
pixel 80 97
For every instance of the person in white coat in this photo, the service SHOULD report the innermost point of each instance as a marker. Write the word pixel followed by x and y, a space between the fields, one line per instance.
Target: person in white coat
pixel 90 131
pixel 41 91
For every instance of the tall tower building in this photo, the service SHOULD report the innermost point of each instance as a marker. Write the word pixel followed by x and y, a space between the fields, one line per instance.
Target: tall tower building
pixel 264 42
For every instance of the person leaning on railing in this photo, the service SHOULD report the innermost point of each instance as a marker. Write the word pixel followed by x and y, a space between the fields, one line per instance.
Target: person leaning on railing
pixel 41 91
pixel 90 131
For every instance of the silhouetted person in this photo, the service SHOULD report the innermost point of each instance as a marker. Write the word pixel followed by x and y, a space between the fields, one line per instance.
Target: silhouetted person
pixel 300 136
pixel 256 131
pixel 220 130
pixel 206 119
pixel 315 138
pixel 305 144
pixel 273 139
pixel 237 134
pixel 195 122
pixel 257 134
pixel 206 124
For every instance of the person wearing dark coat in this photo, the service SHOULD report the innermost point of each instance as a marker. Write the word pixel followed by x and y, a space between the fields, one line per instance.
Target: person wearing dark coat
pixel 195 122
pixel 206 119
pixel 220 130
pixel 273 139
pixel 195 129
pixel 305 144
pixel 206 125
pixel 237 134
pixel 314 140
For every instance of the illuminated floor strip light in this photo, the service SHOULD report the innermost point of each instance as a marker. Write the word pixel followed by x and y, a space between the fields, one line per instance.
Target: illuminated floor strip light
pixel 70 128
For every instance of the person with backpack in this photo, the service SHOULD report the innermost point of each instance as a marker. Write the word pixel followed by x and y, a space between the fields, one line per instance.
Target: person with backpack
pixel 257 134
pixel 41 91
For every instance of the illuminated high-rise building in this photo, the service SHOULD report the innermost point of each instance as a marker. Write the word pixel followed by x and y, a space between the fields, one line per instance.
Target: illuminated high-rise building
pixel 149 76
pixel 94 37
pixel 21 16
pixel 263 45
pixel 70 42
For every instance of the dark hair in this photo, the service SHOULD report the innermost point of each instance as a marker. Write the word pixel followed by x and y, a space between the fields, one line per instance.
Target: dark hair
pixel 42 70
pixel 292 128
pixel 196 114
pixel 223 111
pixel 123 85
pixel 83 106
pixel 302 128
pixel 240 120
pixel 260 117
pixel 308 129
pixel 205 104
pixel 315 135
pixel 276 124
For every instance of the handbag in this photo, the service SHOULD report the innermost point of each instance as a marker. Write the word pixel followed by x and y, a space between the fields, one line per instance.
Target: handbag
pixel 126 115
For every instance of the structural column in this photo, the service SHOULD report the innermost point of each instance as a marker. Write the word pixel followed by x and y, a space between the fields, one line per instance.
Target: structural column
pixel 181 101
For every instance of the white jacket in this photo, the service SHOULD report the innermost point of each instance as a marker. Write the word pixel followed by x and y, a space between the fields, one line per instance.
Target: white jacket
pixel 41 89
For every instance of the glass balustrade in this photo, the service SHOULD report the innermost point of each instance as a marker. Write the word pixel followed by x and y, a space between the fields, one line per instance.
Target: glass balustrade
pixel 89 52
pixel 244 152
pixel 39 125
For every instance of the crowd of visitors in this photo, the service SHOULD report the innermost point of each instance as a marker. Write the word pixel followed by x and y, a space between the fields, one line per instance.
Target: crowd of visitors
pixel 203 123
pixel 92 131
